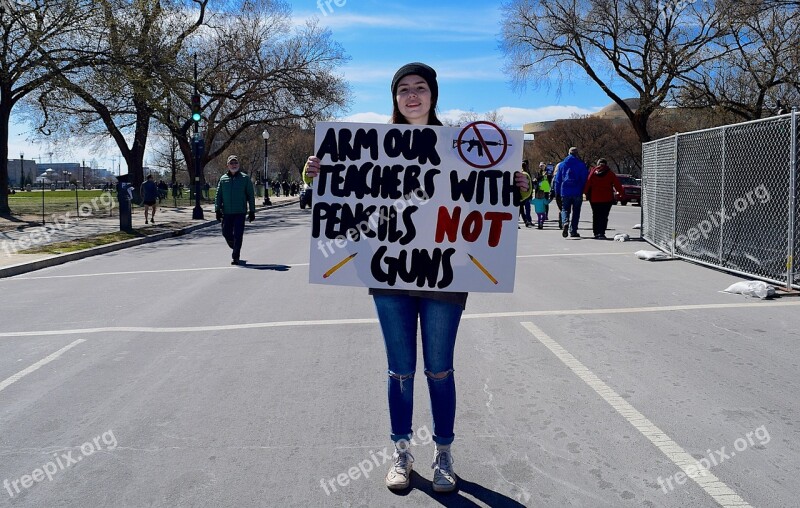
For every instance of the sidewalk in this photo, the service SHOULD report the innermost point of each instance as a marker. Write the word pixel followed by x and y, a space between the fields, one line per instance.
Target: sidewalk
pixel 169 222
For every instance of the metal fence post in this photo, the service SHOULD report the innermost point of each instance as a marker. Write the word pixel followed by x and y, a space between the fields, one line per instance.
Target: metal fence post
pixel 722 195
pixel 792 203
pixel 674 194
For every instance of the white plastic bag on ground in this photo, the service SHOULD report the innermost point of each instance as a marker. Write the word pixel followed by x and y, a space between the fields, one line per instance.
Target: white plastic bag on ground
pixel 651 255
pixel 621 237
pixel 753 288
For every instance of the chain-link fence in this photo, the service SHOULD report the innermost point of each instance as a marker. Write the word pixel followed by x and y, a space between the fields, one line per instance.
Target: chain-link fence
pixel 51 205
pixel 727 197
pixel 44 203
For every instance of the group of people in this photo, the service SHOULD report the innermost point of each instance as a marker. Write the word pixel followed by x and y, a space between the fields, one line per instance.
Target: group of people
pixel 289 189
pixel 570 181
pixel 538 194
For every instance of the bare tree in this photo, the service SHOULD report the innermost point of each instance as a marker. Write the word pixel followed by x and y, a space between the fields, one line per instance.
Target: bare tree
pixel 645 43
pixel 471 116
pixel 117 96
pixel 256 71
pixel 165 154
pixel 759 67
pixel 293 145
pixel 594 137
pixel 34 33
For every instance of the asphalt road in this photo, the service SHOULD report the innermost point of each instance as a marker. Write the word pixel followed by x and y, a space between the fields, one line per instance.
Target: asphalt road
pixel 162 376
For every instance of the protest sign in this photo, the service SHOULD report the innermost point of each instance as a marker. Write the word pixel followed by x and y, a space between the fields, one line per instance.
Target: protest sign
pixel 425 208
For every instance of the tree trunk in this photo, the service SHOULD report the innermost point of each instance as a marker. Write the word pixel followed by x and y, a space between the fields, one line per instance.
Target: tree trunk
pixel 639 122
pixel 5 118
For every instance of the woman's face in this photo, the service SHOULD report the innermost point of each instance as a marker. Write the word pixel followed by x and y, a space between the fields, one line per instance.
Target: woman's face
pixel 414 99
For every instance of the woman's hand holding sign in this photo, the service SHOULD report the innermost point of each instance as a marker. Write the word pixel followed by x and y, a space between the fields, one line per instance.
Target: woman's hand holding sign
pixel 519 179
pixel 312 166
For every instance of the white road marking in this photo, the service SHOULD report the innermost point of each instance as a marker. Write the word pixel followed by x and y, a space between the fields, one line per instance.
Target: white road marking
pixel 294 265
pixel 712 485
pixel 364 321
pixel 19 375
pixel 576 254
pixel 145 271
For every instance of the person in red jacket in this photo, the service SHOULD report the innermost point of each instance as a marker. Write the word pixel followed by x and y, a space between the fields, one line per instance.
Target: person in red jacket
pixel 599 191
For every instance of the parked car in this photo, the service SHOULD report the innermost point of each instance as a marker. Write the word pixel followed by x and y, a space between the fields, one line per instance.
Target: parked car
pixel 305 196
pixel 633 191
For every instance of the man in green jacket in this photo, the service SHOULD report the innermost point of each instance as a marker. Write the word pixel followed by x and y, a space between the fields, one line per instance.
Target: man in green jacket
pixel 234 193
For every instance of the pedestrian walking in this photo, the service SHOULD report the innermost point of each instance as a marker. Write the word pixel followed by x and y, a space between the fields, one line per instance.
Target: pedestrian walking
pixel 525 197
pixel 569 183
pixel 541 198
pixel 415 93
pixel 234 194
pixel 149 192
pixel 544 174
pixel 163 188
pixel 554 195
pixel 599 190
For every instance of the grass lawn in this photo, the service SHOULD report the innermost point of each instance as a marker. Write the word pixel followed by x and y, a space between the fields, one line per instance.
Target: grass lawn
pixel 59 201
pixel 89 242
pixel 94 201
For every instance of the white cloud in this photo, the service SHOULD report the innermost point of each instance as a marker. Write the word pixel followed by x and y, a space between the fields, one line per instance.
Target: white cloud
pixel 368 117
pixel 444 24
pixel 518 116
pixel 479 68
pixel 514 117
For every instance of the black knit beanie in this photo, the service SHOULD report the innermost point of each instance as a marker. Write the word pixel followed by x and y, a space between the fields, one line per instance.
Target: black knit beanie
pixel 426 72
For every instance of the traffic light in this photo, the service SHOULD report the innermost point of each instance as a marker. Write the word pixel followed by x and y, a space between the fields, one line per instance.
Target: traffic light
pixel 196 108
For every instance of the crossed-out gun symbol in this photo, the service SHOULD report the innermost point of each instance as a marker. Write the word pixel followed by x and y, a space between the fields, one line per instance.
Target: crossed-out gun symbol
pixel 475 143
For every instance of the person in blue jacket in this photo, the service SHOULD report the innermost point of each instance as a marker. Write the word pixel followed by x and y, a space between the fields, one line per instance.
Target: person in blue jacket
pixel 569 183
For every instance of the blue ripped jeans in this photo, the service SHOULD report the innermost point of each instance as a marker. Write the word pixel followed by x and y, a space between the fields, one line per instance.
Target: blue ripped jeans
pixel 439 324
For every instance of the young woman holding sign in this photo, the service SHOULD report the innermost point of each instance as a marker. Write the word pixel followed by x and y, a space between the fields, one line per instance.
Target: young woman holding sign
pixel 415 93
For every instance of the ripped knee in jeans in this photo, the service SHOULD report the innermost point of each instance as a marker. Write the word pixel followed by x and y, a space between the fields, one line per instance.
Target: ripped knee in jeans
pixel 439 375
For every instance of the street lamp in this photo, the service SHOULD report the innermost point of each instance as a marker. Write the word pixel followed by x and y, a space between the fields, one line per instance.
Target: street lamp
pixel 64 186
pixel 21 170
pixel 265 135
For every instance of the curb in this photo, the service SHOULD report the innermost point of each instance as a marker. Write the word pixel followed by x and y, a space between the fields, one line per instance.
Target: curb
pixel 61 259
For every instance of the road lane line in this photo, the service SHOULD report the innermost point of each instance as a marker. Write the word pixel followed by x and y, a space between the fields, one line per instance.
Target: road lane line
pixel 576 254
pixel 712 485
pixel 143 271
pixel 357 321
pixel 19 375
pixel 295 265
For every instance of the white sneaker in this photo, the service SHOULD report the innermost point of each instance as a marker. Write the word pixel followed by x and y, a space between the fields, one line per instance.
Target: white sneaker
pixel 444 478
pixel 399 475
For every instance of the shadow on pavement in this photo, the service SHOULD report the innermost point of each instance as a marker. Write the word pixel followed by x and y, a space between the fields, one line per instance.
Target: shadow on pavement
pixel 277 268
pixel 456 499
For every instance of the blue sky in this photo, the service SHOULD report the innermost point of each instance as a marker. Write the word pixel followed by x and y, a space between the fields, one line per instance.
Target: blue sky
pixel 460 39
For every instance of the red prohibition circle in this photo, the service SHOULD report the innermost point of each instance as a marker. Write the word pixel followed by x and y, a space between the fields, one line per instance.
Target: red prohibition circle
pixel 492 161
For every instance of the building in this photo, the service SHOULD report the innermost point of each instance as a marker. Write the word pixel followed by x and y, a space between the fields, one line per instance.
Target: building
pixel 611 112
pixel 21 171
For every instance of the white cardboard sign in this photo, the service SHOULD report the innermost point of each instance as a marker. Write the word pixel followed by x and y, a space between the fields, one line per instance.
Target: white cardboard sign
pixel 425 208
